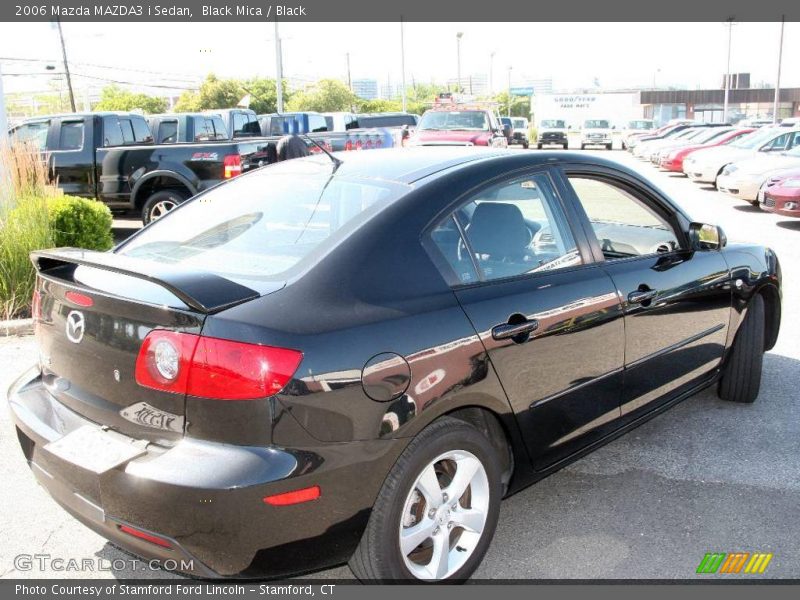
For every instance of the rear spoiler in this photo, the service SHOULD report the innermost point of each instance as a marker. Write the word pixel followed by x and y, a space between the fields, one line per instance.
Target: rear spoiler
pixel 200 290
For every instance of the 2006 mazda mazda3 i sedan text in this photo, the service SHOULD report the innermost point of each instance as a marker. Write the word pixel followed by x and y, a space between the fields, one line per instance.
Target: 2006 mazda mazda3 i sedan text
pixel 327 361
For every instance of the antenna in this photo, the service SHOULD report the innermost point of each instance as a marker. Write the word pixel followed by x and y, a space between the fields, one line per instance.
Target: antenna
pixel 336 161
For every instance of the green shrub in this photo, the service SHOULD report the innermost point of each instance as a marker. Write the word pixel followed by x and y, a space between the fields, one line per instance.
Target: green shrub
pixel 23 228
pixel 80 223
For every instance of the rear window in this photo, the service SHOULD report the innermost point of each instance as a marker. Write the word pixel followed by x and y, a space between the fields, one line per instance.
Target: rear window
pixel 71 137
pixel 460 120
pixel 368 121
pixel 266 224
pixel 168 132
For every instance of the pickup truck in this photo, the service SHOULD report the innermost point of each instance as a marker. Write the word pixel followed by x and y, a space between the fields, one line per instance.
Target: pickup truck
pixel 596 132
pixel 187 127
pixel 239 122
pixel 455 125
pixel 111 157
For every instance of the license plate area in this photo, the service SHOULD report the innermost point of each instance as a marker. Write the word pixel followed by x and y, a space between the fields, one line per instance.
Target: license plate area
pixel 96 449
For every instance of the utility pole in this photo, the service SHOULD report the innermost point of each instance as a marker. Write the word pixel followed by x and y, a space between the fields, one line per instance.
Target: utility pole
pixel 66 65
pixel 402 64
pixel 349 81
pixel 3 120
pixel 727 72
pixel 278 70
pixel 509 91
pixel 458 61
pixel 778 78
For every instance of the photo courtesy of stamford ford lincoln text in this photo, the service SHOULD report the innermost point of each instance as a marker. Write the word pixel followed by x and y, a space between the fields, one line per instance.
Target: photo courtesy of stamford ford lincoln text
pixel 335 298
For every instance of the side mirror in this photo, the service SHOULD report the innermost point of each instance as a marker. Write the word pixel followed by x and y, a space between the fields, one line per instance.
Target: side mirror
pixel 706 237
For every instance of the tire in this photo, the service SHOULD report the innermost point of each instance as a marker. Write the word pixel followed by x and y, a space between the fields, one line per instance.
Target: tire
pixel 608 146
pixel 402 504
pixel 525 145
pixel 583 146
pixel 741 375
pixel 566 146
pixel 539 146
pixel 160 203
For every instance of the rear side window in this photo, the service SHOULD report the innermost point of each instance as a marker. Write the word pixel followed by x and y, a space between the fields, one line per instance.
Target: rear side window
pixel 266 224
pixel 71 137
pixel 220 131
pixel 112 132
pixel 317 123
pixel 127 131
pixel 513 228
pixel 141 131
pixel 168 132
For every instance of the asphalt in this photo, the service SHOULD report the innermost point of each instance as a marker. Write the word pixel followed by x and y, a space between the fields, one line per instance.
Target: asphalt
pixel 706 476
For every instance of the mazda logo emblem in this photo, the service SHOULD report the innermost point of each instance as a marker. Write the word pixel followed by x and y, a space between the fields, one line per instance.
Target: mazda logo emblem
pixel 75 326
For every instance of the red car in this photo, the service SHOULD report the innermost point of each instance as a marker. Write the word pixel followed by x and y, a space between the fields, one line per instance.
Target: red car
pixel 781 194
pixel 673 161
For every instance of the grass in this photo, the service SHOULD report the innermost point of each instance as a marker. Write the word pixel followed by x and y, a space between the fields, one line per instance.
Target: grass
pixel 24 226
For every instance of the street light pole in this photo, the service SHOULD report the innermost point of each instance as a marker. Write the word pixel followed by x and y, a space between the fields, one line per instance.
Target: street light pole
pixel 3 120
pixel 349 81
pixel 66 65
pixel 491 73
pixel 278 70
pixel 458 61
pixel 403 64
pixel 727 72
pixel 778 78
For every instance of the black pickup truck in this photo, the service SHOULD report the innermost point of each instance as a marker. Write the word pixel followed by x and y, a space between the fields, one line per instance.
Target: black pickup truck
pixel 187 127
pixel 112 157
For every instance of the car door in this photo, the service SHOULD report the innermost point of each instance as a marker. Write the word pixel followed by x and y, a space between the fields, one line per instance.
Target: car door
pixel 550 320
pixel 676 301
pixel 72 162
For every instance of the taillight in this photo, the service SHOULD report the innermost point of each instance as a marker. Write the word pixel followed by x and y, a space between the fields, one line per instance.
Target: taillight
pixel 143 535
pixel 294 497
pixel 79 299
pixel 348 145
pixel 358 144
pixel 233 165
pixel 368 145
pixel 207 367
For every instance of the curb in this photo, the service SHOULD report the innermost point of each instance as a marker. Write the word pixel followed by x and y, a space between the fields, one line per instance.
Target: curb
pixel 17 327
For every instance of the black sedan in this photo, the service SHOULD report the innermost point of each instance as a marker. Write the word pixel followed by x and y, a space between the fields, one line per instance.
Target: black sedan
pixel 332 360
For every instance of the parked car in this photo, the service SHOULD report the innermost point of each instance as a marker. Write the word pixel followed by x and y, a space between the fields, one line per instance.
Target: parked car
pixel 239 122
pixel 341 121
pixel 519 134
pixel 454 125
pixel 596 132
pixel 357 359
pixel 552 132
pixel 635 128
pixel 111 157
pixel 673 160
pixel 644 149
pixel 670 129
pixel 702 136
pixel 743 179
pixel 705 166
pixel 187 127
pixel 780 194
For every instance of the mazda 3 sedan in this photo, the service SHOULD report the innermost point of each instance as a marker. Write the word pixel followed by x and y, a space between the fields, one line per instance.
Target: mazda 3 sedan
pixel 354 359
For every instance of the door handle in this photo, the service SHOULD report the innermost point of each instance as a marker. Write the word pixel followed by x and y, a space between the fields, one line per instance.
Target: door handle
pixel 512 330
pixel 642 295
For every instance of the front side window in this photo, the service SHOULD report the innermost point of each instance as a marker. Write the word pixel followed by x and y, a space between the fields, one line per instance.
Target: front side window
pixel 510 229
pixel 624 224
pixel 34 134
pixel 71 137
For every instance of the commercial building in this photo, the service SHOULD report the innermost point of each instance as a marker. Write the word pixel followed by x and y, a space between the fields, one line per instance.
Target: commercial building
pixel 366 89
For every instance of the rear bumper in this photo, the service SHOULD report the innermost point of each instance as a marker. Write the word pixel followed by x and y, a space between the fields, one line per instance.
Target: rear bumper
pixel 206 499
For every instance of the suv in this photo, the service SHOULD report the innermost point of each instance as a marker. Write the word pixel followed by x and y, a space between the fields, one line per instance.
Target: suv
pixel 460 126
pixel 596 132
pixel 552 131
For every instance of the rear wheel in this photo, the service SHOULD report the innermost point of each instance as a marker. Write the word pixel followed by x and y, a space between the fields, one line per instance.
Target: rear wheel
pixel 539 146
pixel 566 146
pixel 608 146
pixel 741 376
pixel 583 146
pixel 437 511
pixel 161 203
pixel 525 145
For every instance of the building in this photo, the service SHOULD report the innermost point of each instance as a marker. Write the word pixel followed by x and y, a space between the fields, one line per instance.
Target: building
pixel 367 89
pixel 476 84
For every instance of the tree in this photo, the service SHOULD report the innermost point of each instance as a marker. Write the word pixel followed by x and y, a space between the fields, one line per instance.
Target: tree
pixel 378 105
pixel 115 98
pixel 227 93
pixel 327 95
pixel 264 94
pixel 520 105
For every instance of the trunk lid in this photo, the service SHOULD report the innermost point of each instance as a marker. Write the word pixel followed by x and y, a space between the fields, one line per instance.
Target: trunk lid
pixel 90 337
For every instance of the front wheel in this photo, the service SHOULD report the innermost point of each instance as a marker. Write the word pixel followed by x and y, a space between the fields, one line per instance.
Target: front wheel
pixel 524 145
pixel 741 376
pixel 160 203
pixel 539 146
pixel 437 511
pixel 608 146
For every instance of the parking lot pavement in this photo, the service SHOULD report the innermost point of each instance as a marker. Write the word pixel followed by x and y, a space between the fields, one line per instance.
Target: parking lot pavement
pixel 705 476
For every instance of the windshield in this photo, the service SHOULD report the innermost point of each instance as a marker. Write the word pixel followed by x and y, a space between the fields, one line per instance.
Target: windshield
pixel 710 134
pixel 639 125
pixel 596 124
pixel 554 124
pixel 520 124
pixel 457 120
pixel 755 139
pixel 386 120
pixel 261 226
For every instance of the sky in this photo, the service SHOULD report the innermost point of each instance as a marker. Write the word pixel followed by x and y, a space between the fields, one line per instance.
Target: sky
pixel 617 55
